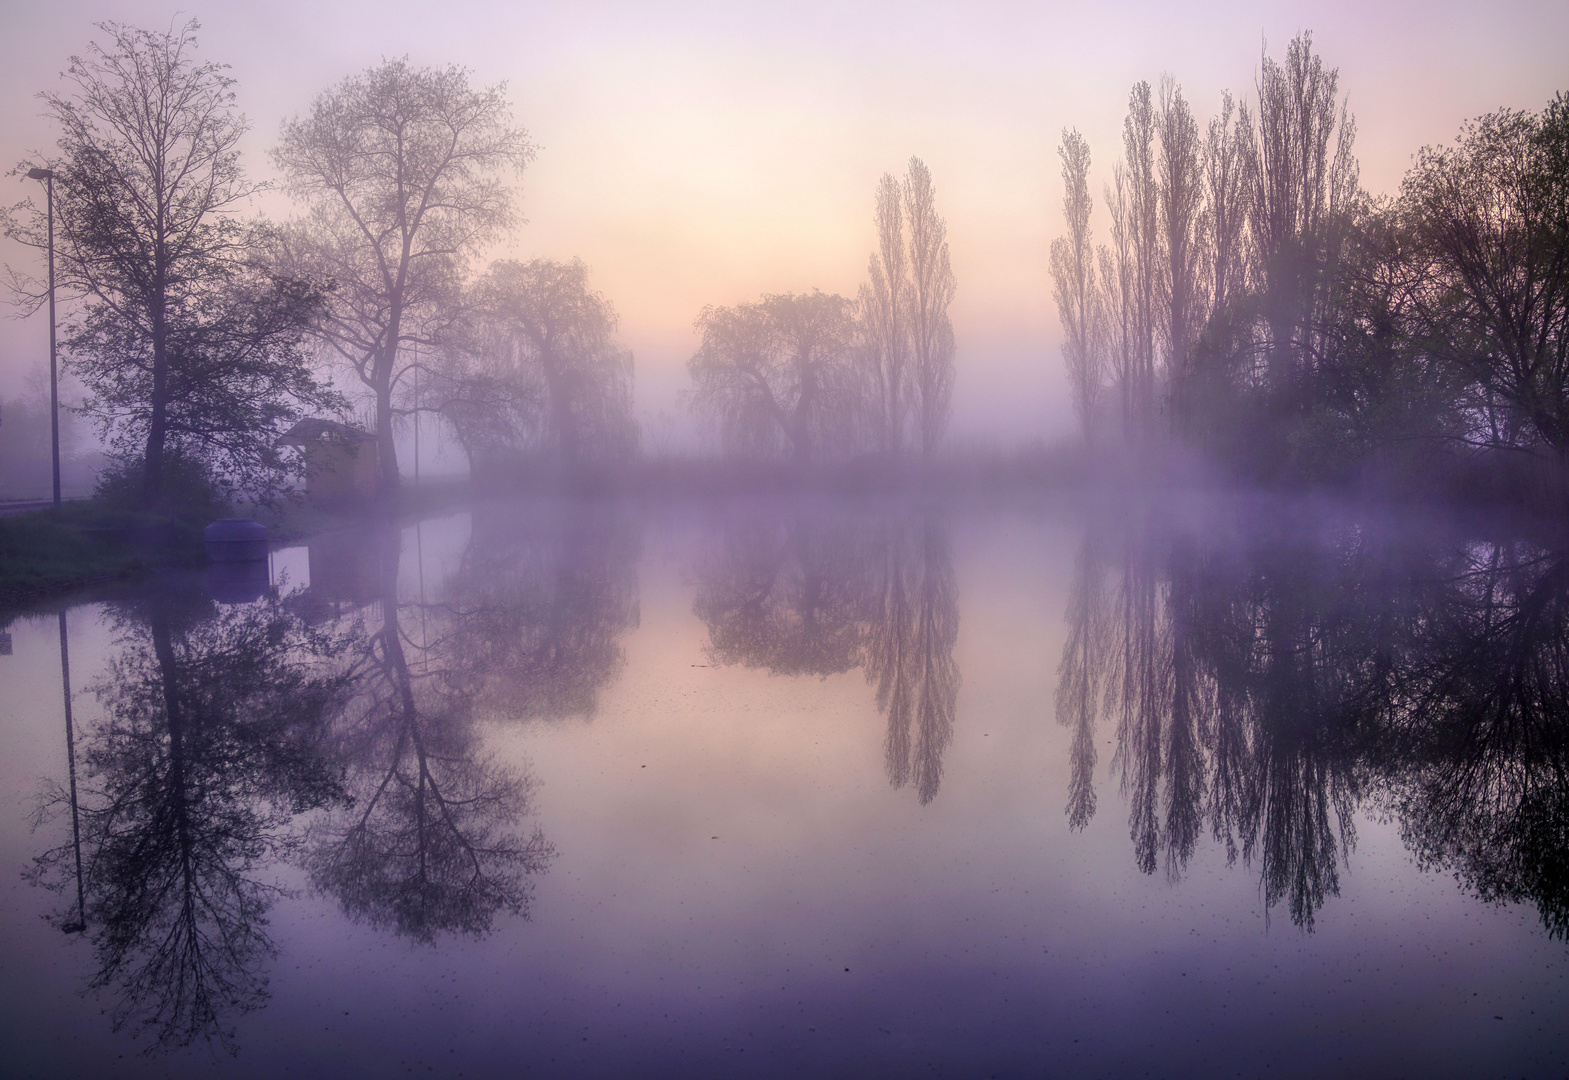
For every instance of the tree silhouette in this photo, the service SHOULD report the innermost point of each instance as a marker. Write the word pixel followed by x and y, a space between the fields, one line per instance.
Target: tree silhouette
pixel 538 372
pixel 912 608
pixel 782 596
pixel 432 841
pixel 400 168
pixel 780 373
pixel 211 745
pixel 188 346
pixel 1481 745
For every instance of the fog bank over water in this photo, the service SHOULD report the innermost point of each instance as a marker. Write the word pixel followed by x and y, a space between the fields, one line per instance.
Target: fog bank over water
pixel 701 155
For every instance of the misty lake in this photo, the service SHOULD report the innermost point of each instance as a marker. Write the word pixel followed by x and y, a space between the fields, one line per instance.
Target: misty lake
pixel 1226 786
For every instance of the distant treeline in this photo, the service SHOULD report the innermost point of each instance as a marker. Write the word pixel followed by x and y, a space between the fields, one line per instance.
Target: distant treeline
pixel 1255 304
pixel 201 335
pixel 1252 302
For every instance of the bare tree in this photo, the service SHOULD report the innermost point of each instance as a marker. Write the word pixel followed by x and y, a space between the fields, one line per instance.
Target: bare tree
pixel 187 349
pixel 780 372
pixel 1074 285
pixel 401 170
pixel 1226 199
pixel 1132 270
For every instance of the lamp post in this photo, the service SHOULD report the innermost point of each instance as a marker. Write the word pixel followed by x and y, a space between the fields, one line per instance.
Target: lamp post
pixel 80 924
pixel 47 176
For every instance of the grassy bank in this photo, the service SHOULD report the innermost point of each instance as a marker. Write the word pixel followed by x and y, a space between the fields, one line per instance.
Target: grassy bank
pixel 90 541
pixel 49 551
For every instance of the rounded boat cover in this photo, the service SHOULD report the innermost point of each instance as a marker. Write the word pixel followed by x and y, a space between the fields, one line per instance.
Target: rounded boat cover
pixel 236 539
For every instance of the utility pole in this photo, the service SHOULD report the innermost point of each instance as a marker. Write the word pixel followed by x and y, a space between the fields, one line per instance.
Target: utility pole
pixel 47 176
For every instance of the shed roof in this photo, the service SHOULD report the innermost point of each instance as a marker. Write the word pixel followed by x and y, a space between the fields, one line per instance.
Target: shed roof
pixel 314 429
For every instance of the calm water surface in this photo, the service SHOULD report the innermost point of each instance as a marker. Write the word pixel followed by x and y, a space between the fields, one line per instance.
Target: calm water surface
pixel 806 788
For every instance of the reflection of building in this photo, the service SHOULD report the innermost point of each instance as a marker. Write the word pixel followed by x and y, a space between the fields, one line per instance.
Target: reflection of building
pixel 345 566
pixel 340 460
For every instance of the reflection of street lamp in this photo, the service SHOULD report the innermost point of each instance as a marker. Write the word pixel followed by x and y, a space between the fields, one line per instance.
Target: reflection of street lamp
pixel 47 175
pixel 70 753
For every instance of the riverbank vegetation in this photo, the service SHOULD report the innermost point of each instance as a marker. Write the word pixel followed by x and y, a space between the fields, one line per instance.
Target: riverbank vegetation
pixel 1257 307
pixel 1246 313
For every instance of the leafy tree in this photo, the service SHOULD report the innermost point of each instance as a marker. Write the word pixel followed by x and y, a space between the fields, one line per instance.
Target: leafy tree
pixel 539 371
pixel 1489 218
pixel 401 169
pixel 188 348
pixel 780 372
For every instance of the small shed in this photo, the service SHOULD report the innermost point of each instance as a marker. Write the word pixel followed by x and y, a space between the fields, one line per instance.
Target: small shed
pixel 340 460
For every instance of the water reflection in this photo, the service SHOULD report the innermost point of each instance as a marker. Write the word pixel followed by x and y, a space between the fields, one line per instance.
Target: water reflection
pixel 1266 674
pixel 1480 727
pixel 430 839
pixel 336 727
pixel 211 745
pixel 1262 675
pixel 539 605
pixel 822 594
pixel 912 604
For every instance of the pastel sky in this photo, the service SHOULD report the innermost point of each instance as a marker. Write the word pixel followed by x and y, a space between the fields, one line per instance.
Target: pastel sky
pixel 704 153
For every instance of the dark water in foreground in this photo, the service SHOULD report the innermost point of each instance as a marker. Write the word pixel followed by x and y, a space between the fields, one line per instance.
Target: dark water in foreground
pixel 804 789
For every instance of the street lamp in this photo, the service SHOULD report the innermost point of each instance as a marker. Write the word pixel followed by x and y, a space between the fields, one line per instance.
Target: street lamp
pixel 47 175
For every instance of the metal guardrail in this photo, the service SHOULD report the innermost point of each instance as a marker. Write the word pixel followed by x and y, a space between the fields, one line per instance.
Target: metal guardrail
pixel 25 506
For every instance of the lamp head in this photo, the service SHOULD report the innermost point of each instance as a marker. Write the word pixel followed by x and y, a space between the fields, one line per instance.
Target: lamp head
pixel 40 174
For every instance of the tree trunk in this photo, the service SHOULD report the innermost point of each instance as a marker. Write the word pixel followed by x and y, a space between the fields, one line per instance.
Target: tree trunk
pixel 154 463
pixel 561 417
pixel 386 445
pixel 802 421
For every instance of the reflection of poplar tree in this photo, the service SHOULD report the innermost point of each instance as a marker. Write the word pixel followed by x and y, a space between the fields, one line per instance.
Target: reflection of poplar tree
pixel 209 748
pixel 1240 679
pixel 1080 676
pixel 1139 691
pixel 823 597
pixel 1263 679
pixel 913 626
pixel 431 843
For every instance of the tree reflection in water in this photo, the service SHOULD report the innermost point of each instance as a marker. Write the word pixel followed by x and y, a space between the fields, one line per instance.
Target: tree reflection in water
pixel 1481 728
pixel 538 607
pixel 211 745
pixel 336 726
pixel 824 594
pixel 432 841
pixel 1268 675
